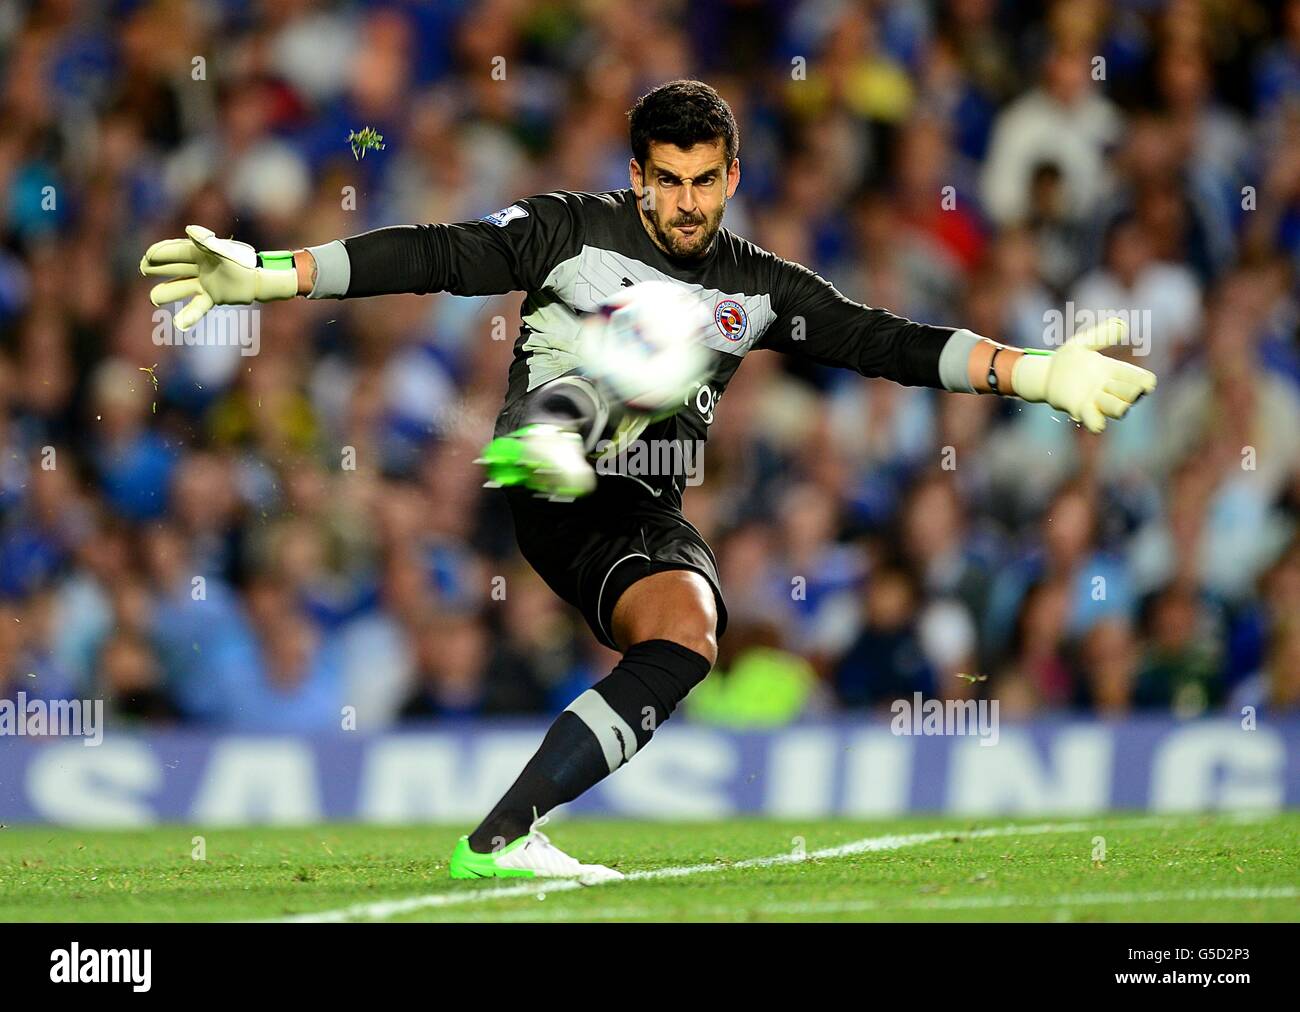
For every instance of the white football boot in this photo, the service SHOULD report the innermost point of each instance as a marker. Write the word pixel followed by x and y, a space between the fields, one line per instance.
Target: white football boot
pixel 531 856
pixel 546 458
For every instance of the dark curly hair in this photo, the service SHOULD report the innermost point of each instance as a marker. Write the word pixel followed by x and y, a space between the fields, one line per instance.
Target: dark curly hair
pixel 684 113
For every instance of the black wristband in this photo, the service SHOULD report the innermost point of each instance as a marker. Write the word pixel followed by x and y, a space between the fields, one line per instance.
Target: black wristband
pixel 993 373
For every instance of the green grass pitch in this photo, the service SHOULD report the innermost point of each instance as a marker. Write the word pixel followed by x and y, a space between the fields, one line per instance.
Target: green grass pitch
pixel 1152 868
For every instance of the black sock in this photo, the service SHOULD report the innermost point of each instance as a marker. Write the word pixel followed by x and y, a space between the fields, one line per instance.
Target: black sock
pixel 598 732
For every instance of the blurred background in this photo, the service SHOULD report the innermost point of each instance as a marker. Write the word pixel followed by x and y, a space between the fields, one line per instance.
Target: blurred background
pixel 181 535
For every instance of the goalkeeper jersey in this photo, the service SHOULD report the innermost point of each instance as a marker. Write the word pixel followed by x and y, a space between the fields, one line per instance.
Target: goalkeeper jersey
pixel 570 251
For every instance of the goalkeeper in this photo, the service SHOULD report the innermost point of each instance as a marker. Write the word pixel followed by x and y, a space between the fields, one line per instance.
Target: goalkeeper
pixel 621 551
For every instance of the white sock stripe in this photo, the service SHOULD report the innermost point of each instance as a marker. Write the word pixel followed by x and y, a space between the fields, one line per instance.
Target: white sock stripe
pixel 616 738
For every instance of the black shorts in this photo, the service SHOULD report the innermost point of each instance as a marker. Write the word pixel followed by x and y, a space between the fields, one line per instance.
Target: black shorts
pixel 591 550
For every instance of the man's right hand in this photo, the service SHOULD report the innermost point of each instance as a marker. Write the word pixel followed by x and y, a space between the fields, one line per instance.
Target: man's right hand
pixel 211 271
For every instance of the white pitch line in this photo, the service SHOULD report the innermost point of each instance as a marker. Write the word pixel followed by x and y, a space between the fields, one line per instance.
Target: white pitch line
pixel 1099 899
pixel 384 909
pixel 996 902
pixel 938 903
pixel 391 908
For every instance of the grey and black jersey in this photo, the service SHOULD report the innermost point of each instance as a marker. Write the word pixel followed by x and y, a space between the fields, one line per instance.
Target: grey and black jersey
pixel 570 251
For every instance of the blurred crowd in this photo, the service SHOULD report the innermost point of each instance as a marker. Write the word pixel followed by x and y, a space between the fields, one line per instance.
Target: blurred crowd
pixel 288 539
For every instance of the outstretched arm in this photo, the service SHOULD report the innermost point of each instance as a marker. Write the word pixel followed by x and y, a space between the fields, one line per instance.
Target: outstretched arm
pixel 815 321
pixel 511 250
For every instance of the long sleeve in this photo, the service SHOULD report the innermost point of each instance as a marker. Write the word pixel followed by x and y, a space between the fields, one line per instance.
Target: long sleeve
pixel 511 250
pixel 815 321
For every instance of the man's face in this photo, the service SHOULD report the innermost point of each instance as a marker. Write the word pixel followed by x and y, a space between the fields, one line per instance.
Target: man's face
pixel 684 193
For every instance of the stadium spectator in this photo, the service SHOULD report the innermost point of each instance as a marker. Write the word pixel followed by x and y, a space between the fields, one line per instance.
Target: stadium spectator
pixel 886 661
pixel 132 682
pixel 1275 688
pixel 1181 666
pixel 758 683
pixel 290 679
pixel 452 680
pixel 1064 120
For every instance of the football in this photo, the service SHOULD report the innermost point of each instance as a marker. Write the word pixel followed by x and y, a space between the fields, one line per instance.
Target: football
pixel 643 347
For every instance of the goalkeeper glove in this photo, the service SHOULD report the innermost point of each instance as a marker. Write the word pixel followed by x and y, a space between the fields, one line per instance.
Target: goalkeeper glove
pixel 216 271
pixel 1079 380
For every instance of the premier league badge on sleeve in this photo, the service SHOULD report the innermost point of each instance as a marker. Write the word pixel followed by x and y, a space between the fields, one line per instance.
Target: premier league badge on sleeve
pixel 505 215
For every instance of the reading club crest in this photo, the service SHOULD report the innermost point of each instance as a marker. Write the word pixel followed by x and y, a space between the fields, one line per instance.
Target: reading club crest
pixel 731 318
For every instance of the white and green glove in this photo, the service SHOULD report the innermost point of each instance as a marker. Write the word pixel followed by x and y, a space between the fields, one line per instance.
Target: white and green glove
pixel 220 272
pixel 1079 380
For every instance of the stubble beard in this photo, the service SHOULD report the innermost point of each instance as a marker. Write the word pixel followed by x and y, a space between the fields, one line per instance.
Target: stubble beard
pixel 693 249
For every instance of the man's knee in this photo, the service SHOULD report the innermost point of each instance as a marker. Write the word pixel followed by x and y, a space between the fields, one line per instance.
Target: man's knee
pixel 677 605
